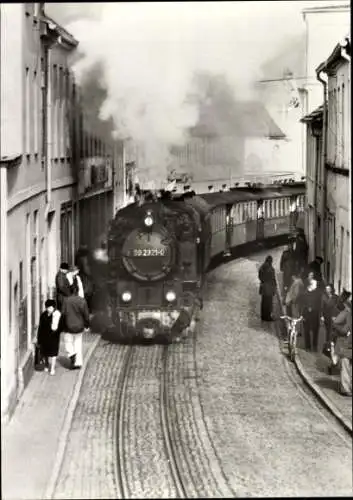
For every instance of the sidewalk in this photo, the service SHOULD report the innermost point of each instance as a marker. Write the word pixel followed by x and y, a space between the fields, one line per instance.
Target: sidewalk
pixel 313 367
pixel 33 437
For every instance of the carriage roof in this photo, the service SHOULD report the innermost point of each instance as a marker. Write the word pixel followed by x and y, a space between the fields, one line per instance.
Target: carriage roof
pixel 253 194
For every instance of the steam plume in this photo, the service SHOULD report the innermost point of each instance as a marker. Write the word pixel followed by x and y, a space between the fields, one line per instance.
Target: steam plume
pixel 150 53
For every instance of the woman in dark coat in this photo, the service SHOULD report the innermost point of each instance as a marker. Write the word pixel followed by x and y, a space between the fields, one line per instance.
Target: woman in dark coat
pixel 49 335
pixel 329 309
pixel 267 278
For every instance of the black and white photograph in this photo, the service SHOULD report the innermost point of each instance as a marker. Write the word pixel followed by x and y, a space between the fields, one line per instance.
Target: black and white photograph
pixel 175 249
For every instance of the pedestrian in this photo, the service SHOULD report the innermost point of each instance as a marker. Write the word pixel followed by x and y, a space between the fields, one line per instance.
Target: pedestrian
pixel 294 296
pixel 315 267
pixel 344 296
pixel 75 278
pixel 83 262
pixel 267 290
pixel 311 313
pixel 62 283
pixel 49 335
pixel 329 309
pixel 301 249
pixel 342 327
pixel 287 267
pixel 76 320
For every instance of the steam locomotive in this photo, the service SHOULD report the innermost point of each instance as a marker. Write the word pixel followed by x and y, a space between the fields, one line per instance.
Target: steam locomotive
pixel 159 252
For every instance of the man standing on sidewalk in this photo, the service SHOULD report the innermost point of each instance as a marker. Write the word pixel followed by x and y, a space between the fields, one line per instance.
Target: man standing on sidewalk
pixel 311 313
pixel 62 284
pixel 76 320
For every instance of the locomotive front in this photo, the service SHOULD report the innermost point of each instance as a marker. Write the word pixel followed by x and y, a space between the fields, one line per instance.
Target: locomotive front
pixel 147 271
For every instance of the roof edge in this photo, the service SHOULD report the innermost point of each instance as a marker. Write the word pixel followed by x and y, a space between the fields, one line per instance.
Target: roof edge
pixel 336 54
pixel 60 30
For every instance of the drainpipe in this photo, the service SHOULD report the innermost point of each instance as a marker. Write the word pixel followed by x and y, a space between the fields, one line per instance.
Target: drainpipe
pixel 49 38
pixel 323 167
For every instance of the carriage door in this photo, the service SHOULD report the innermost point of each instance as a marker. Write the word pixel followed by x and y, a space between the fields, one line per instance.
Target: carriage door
pixel 293 216
pixel 229 227
pixel 260 228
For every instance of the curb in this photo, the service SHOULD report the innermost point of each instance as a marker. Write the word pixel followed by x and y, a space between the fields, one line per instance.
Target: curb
pixel 49 492
pixel 345 422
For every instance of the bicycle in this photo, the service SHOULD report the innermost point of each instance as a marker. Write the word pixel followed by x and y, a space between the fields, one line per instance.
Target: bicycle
pixel 292 335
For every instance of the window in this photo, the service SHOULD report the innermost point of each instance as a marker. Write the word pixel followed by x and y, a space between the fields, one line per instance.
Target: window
pixel 35 290
pixel 61 113
pixel 343 131
pixel 338 126
pixel 28 267
pixel 55 104
pixel 36 9
pixel 66 237
pixel 21 280
pixel 10 301
pixel 334 121
pixel 341 243
pixel 27 108
pixel 34 294
pixel 36 108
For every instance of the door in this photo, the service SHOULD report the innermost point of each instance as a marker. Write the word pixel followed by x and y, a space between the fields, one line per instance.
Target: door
pixel 260 229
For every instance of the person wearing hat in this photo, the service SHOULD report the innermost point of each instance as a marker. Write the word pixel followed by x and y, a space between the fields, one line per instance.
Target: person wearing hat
pixel 63 286
pixel 342 328
pixel 267 290
pixel 49 335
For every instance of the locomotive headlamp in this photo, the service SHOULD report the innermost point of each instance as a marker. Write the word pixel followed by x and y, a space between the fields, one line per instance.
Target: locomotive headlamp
pixel 170 296
pixel 148 220
pixel 126 297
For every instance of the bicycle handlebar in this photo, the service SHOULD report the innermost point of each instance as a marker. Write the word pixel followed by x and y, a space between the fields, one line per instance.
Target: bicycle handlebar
pixel 294 320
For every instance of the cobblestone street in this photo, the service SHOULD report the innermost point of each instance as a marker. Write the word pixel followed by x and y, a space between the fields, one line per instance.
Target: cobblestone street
pixel 272 437
pixel 241 421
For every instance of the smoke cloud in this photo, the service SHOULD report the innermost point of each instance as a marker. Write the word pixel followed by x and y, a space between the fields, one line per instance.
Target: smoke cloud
pixel 150 53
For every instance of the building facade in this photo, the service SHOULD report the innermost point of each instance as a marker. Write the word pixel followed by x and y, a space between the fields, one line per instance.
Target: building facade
pixel 329 168
pixel 36 105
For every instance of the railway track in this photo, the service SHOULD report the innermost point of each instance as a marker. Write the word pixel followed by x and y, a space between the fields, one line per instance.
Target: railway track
pixel 163 448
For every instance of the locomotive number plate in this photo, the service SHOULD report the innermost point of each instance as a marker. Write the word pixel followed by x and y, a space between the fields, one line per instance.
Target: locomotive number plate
pixel 148 252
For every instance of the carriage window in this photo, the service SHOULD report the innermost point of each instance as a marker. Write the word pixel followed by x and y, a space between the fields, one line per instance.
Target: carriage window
pixel 241 211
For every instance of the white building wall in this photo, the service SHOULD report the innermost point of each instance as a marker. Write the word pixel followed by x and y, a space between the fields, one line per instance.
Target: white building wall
pixel 324 28
pixel 33 252
pixel 11 78
pixel 339 182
